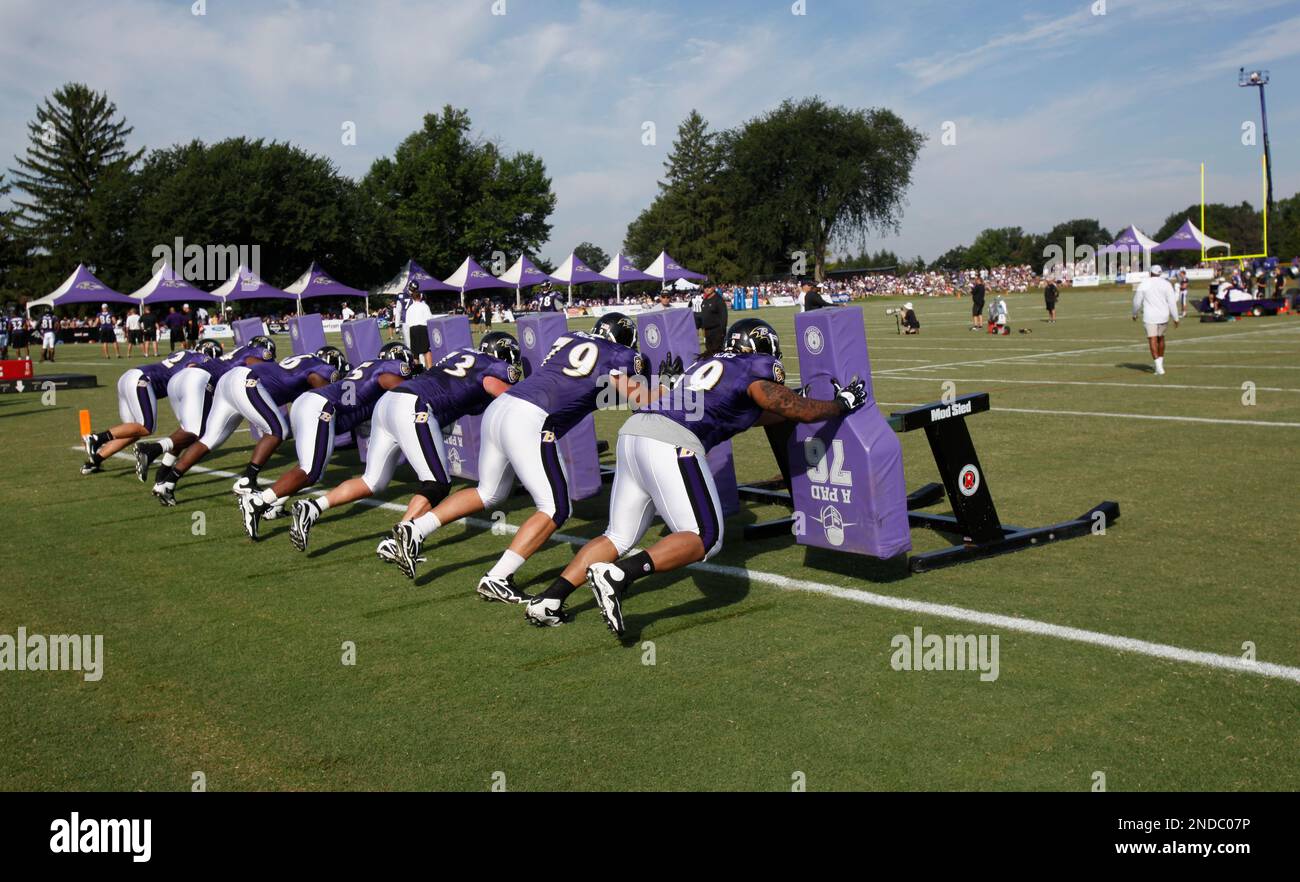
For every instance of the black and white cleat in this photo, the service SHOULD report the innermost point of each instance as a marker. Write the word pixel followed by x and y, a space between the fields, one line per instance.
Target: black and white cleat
pixel 607 583
pixel 547 612
pixel 305 514
pixel 501 590
pixel 407 551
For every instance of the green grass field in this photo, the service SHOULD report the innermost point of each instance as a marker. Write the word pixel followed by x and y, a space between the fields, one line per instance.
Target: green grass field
pixel 224 656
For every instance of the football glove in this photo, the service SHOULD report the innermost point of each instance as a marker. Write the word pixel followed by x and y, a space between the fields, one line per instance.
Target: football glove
pixel 852 396
pixel 671 370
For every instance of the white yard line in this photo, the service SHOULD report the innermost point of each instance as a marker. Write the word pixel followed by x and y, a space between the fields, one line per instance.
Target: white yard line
pixel 1153 384
pixel 918 607
pixel 1152 416
pixel 1182 365
pixel 1174 345
pixel 1124 416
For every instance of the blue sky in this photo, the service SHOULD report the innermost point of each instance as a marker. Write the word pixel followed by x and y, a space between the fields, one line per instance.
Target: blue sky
pixel 1059 112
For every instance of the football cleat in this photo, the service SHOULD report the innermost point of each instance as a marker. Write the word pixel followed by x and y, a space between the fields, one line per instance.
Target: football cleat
pixel 408 547
pixel 166 493
pixel 91 445
pixel 501 590
pixel 144 457
pixel 547 612
pixel 305 513
pixel 275 509
pixel 89 467
pixel 244 485
pixel 607 582
pixel 386 550
pixel 251 508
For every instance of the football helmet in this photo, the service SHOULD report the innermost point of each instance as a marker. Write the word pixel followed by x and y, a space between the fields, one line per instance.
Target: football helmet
pixel 210 348
pixel 616 328
pixel 266 343
pixel 753 335
pixel 397 351
pixel 499 344
pixel 333 357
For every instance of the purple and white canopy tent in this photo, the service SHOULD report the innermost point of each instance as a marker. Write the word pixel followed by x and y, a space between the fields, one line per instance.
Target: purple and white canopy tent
pixel 318 283
pixel 573 271
pixel 248 285
pixel 524 274
pixel 413 271
pixel 1189 238
pixel 620 269
pixel 1132 239
pixel 666 270
pixel 469 276
pixel 81 287
pixel 169 286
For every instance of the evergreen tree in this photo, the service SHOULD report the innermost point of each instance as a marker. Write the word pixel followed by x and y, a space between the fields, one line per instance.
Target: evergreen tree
pixel 75 140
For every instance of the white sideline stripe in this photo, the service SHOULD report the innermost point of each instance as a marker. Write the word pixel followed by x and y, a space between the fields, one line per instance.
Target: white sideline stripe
pixel 1182 366
pixel 1155 385
pixel 1119 347
pixel 1151 416
pixel 902 604
pixel 1126 416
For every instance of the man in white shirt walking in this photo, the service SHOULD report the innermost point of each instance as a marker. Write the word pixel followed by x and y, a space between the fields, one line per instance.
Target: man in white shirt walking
pixel 415 327
pixel 1158 303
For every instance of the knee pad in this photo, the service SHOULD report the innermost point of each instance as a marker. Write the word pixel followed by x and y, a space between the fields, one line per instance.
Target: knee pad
pixel 434 491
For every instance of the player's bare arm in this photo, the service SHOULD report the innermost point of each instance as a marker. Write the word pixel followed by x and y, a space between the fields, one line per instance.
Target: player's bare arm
pixel 779 401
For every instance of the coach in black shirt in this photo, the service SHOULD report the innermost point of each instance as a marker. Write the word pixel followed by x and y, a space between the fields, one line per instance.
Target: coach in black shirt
pixel 977 304
pixel 712 320
pixel 812 296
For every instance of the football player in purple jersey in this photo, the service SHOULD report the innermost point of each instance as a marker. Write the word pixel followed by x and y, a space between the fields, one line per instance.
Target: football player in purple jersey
pixel 318 416
pixel 662 469
pixel 138 391
pixel 191 392
pixel 255 394
pixel 408 421
pixel 520 432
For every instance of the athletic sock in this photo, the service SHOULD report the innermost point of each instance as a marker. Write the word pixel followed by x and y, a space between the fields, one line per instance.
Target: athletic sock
pixel 165 445
pixel 96 459
pixel 425 524
pixel 636 566
pixel 507 566
pixel 560 589
pixel 168 459
pixel 251 471
pixel 268 496
pixel 166 474
pixel 103 437
pixel 321 503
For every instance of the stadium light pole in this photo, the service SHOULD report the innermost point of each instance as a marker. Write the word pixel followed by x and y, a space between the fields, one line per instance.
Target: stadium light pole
pixel 1259 79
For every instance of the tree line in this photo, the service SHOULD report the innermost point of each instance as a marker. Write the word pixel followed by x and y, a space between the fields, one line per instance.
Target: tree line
pixel 786 191
pixel 79 196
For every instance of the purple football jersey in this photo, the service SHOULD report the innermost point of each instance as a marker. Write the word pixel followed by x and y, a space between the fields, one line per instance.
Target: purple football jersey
pixel 453 387
pixel 570 379
pixel 291 377
pixel 160 372
pixel 712 398
pixel 355 395
pixel 218 367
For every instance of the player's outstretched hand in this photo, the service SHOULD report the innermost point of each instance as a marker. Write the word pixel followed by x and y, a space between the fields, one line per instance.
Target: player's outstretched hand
pixel 852 396
pixel 671 370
